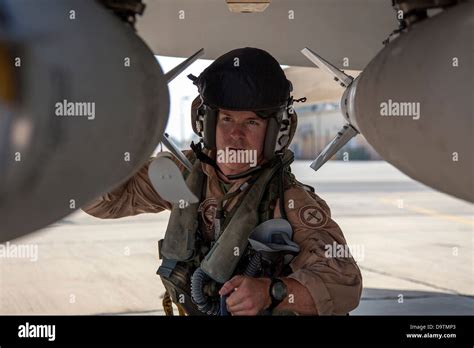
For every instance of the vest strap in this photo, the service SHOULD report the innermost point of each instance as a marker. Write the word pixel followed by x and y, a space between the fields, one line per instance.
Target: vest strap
pixel 179 241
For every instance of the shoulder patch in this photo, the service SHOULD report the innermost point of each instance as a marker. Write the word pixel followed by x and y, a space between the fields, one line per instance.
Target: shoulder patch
pixel 313 216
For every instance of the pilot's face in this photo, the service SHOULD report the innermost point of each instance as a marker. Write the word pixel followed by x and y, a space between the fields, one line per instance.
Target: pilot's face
pixel 237 131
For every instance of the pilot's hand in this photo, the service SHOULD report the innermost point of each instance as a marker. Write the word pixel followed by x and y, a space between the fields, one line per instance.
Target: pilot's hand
pixel 246 295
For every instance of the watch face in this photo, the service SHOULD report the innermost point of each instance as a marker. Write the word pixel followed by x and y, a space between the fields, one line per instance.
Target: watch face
pixel 279 290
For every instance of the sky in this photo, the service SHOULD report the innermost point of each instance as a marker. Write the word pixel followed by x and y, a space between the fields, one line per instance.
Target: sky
pixel 182 93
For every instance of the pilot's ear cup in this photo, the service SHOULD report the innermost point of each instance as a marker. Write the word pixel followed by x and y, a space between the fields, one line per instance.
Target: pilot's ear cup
pixel 210 122
pixel 294 124
pixel 273 127
pixel 195 105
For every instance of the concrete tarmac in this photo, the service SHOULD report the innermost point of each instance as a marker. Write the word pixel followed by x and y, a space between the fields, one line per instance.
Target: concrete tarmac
pixel 414 246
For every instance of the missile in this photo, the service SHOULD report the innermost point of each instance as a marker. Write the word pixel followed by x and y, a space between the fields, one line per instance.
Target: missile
pixel 83 104
pixel 413 103
pixel 348 131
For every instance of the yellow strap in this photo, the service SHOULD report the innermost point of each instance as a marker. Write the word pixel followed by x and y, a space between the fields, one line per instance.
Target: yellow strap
pixel 168 306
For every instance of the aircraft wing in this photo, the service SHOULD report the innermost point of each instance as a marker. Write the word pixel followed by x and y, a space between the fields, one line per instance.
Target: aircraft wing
pixel 352 29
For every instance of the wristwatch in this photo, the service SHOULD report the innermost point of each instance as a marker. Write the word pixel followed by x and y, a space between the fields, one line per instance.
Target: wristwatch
pixel 278 292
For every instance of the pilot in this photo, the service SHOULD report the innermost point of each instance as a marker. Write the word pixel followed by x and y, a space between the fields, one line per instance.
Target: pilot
pixel 241 173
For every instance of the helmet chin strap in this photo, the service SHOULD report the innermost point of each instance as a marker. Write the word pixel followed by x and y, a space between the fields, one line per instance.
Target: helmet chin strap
pixel 197 148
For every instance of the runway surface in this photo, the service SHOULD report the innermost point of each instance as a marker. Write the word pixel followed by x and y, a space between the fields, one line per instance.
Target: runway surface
pixel 414 246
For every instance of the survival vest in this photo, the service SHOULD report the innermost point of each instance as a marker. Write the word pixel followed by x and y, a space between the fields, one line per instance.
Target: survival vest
pixel 183 249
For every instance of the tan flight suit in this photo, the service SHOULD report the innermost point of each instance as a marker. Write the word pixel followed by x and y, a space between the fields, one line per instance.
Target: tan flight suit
pixel 334 283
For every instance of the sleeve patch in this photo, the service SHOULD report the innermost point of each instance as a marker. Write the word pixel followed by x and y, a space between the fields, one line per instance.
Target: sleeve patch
pixel 313 216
